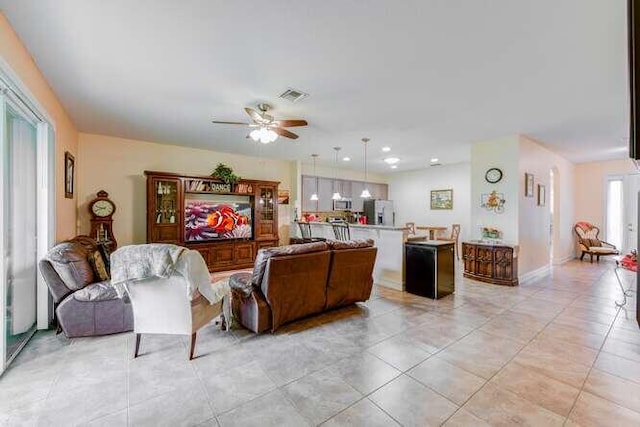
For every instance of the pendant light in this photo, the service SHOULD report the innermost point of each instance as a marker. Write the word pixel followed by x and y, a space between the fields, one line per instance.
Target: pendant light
pixel 314 196
pixel 336 194
pixel 365 193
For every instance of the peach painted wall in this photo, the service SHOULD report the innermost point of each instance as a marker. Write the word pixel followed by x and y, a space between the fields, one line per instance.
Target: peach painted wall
pixel 590 191
pixel 22 64
pixel 117 166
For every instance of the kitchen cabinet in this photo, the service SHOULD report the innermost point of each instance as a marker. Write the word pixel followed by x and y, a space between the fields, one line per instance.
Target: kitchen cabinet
pixel 325 191
pixel 308 187
pixel 345 189
pixel 356 200
pixel 348 190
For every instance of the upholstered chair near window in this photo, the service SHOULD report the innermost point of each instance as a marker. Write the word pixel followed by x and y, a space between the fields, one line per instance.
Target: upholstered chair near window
pixel 589 242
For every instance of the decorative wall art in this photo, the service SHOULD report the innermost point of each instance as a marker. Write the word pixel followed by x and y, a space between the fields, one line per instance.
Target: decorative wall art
pixel 493 201
pixel 69 172
pixel 283 197
pixel 541 195
pixel 528 185
pixel 442 199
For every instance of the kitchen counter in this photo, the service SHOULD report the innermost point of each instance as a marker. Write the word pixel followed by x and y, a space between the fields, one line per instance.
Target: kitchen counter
pixel 356 225
pixel 389 267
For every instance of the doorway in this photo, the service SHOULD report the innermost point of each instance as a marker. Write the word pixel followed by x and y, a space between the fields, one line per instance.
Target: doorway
pixel 631 186
pixel 26 227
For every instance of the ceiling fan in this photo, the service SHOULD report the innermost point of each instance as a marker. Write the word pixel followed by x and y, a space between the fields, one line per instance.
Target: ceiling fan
pixel 266 127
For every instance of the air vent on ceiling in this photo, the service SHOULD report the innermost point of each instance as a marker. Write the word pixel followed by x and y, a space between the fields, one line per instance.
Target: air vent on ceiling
pixel 293 95
pixel 435 164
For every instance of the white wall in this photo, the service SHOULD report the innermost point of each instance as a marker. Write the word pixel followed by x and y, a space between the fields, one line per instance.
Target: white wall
pixel 501 153
pixel 534 221
pixel 411 192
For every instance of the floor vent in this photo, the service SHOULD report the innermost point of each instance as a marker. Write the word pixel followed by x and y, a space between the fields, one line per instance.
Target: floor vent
pixel 293 95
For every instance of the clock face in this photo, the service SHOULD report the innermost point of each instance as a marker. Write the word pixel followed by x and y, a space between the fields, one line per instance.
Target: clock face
pixel 102 208
pixel 493 175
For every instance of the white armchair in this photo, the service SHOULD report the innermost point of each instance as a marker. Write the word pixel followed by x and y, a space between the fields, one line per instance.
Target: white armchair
pixel 174 305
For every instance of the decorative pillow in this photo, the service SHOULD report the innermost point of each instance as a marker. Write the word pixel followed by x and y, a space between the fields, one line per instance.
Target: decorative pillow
pixel 98 266
pixel 106 256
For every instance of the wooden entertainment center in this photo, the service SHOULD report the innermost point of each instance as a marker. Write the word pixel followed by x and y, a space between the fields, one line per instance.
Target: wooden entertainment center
pixel 167 196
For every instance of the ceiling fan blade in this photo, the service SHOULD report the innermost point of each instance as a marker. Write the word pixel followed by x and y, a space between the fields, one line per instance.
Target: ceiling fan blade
pixel 285 133
pixel 255 116
pixel 290 123
pixel 229 123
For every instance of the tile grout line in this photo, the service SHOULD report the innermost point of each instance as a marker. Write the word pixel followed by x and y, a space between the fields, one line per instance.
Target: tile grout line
pixel 510 360
pixel 595 360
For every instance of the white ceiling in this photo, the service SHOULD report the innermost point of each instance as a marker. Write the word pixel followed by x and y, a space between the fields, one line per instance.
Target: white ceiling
pixel 427 77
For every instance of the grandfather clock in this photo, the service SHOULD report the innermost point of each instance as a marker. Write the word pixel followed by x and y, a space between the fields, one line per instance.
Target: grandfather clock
pixel 102 210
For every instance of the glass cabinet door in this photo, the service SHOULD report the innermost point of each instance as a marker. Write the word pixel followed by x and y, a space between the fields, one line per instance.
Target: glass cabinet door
pixel 266 204
pixel 166 196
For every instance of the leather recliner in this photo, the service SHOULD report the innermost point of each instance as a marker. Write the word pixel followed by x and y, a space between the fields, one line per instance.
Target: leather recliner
pixel 295 281
pixel 83 304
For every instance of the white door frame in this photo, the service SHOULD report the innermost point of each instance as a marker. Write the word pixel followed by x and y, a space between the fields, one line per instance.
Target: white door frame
pixel 14 91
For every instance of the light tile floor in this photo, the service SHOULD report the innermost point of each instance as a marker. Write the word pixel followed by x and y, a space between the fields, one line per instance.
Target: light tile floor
pixel 553 352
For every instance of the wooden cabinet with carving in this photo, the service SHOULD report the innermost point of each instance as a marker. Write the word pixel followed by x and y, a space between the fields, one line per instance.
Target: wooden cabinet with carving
pixel 490 262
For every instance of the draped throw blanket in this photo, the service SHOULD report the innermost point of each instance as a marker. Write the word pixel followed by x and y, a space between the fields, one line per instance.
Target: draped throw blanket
pixel 138 262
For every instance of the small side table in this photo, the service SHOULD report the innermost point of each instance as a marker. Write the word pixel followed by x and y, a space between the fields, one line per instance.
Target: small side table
pixel 625 292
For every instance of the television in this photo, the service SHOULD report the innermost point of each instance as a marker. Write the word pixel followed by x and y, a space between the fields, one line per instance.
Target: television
pixel 210 217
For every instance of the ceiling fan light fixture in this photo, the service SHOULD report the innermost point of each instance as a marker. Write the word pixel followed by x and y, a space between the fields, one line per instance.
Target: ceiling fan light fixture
pixel 263 135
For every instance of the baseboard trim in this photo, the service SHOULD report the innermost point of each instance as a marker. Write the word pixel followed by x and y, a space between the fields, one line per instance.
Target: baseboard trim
pixel 565 259
pixel 538 273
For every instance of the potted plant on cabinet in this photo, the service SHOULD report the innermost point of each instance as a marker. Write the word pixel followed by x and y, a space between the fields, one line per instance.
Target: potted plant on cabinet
pixel 225 174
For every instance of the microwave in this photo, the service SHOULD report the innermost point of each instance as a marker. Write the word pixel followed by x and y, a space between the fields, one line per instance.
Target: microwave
pixel 342 205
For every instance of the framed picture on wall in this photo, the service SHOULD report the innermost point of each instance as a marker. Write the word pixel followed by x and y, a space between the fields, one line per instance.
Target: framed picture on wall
pixel 69 172
pixel 442 199
pixel 283 197
pixel 528 185
pixel 541 195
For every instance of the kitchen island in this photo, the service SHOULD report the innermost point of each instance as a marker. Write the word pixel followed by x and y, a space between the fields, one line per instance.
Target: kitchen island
pixel 389 268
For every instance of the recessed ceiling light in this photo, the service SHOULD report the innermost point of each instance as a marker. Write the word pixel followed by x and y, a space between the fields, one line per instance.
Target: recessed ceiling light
pixel 386 149
pixel 346 159
pixel 434 160
pixel 391 160
pixel 394 166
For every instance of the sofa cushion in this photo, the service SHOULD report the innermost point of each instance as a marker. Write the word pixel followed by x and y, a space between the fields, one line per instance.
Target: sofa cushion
pixel 265 254
pixel 99 291
pixel 70 261
pixel 336 245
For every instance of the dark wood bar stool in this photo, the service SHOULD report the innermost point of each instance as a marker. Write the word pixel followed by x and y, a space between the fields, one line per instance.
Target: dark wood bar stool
pixel 305 232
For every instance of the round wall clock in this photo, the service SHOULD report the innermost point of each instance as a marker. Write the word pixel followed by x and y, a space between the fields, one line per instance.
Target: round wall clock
pixel 493 175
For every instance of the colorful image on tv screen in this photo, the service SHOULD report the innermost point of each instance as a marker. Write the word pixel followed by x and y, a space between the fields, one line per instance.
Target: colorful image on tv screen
pixel 210 220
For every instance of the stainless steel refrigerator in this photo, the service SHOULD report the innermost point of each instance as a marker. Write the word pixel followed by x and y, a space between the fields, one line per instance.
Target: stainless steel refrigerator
pixel 379 212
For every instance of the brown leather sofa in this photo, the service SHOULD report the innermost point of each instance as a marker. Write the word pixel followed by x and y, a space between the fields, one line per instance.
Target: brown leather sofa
pixel 295 281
